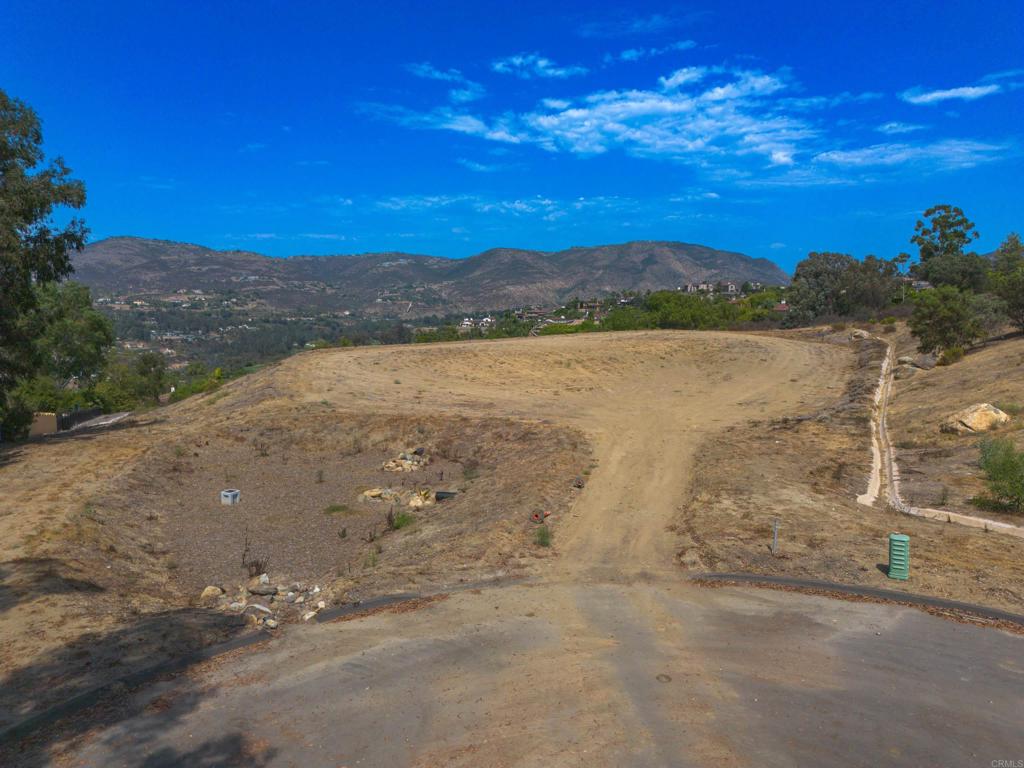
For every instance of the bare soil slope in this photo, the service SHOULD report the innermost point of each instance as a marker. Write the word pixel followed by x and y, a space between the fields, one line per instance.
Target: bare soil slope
pixel 603 657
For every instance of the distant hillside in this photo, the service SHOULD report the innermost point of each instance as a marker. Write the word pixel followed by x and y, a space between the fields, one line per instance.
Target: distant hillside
pixel 409 284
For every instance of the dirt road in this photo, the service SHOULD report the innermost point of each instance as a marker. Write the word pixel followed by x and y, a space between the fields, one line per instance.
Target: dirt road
pixel 607 657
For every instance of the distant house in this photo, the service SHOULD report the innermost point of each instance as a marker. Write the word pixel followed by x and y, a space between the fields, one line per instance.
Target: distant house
pixel 467 322
pixel 706 287
pixel 782 306
pixel 531 313
pixel 690 288
pixel 728 286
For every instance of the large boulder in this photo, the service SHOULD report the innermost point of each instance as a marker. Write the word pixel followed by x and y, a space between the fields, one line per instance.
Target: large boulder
pixel 981 417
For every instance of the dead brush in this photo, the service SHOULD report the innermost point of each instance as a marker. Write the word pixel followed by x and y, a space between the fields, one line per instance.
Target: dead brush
pixel 253 564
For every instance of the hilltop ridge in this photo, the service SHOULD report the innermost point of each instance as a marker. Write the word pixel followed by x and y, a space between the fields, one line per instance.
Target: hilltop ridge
pixel 420 284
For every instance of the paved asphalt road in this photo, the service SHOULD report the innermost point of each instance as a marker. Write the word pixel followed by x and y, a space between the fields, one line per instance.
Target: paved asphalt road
pixel 648 673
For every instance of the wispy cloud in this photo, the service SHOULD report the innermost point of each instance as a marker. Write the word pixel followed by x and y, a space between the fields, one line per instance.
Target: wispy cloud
pixel 946 154
pixel 734 125
pixel 1004 75
pixel 252 146
pixel 532 65
pixel 422 202
pixel 627 26
pixel 312 163
pixel 478 167
pixel 964 93
pixel 465 90
pixel 322 236
pixel 896 128
pixel 729 117
pixel 636 54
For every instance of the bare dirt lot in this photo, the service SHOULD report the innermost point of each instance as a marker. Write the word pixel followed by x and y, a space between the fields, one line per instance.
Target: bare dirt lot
pixel 128 527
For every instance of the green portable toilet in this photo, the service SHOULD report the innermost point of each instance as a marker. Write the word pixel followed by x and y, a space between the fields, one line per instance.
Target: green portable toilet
pixel 899 556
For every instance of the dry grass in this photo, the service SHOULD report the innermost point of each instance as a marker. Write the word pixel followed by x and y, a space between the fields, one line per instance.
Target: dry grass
pixel 807 474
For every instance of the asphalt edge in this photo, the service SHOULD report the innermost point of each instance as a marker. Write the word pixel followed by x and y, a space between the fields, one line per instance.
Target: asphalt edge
pixel 875 593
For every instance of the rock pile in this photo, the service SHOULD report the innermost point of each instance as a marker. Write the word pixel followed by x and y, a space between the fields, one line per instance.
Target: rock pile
pixel 265 604
pixel 415 499
pixel 407 461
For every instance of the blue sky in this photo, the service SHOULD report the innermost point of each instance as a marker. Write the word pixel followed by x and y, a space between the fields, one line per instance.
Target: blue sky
pixel 447 128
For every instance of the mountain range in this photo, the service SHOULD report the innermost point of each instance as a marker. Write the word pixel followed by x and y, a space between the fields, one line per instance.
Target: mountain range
pixel 409 284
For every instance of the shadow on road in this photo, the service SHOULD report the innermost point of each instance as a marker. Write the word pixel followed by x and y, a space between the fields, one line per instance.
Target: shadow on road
pixel 66 693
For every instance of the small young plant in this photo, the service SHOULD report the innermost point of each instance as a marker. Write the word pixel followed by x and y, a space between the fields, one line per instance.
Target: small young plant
pixel 336 509
pixel 543 535
pixel 398 520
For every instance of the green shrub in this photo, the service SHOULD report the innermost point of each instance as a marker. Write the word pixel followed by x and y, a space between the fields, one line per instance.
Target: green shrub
pixel 1003 465
pixel 1014 409
pixel 951 355
pixel 837 327
pixel 15 420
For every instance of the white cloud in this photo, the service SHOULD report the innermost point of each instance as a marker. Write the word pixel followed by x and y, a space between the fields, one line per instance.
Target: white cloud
pixel 948 154
pixel 532 65
pixel 252 146
pixel 322 236
pixel 737 126
pixel 312 163
pixel 466 90
pixel 636 54
pixel 777 246
pixel 730 117
pixel 895 128
pixel 681 77
pixel 422 202
pixel 429 71
pixel 964 93
pixel 624 26
pixel 478 167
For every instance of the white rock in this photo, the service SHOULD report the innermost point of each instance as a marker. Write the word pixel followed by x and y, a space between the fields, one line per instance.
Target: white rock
pixel 321 605
pixel 981 417
pixel 308 615
pixel 264 579
pixel 211 593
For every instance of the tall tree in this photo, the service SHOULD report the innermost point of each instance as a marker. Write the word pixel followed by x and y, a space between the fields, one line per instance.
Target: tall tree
pixel 33 248
pixel 1007 278
pixel 73 338
pixel 943 318
pixel 941 242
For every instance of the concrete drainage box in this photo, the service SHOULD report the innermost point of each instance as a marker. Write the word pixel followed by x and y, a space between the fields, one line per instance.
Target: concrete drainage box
pixel 230 496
